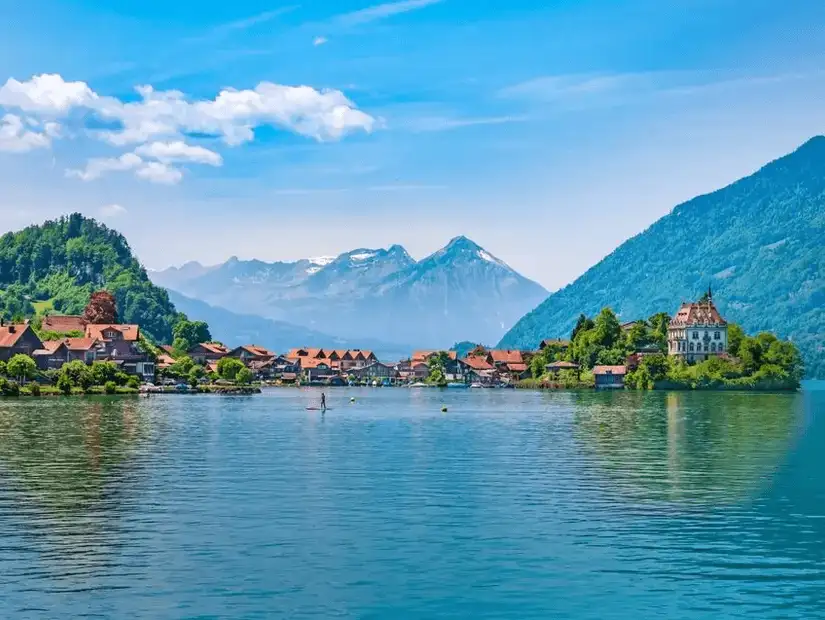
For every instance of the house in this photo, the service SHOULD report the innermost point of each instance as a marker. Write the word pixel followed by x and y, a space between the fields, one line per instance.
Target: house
pixel 362 358
pixel 314 370
pixel 610 377
pixel 424 356
pixel 16 338
pixel 164 361
pixel 120 343
pixel 306 352
pixel 251 353
pixel 480 370
pixel 635 358
pixel 554 368
pixel 374 371
pixel 52 356
pixel 697 331
pixel 509 363
pixel 63 324
pixel 456 370
pixel 206 352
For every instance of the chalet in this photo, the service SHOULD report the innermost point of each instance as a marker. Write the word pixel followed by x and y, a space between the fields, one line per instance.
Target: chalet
pixel 362 358
pixel 251 353
pixel 698 331
pixel 120 343
pixel 509 363
pixel 206 352
pixel 374 371
pixel 306 352
pixel 314 370
pixel 555 368
pixel 610 377
pixel 164 361
pixel 16 338
pixel 275 368
pixel 63 324
pixel 483 371
pixel 52 356
pixel 457 370
pixel 409 370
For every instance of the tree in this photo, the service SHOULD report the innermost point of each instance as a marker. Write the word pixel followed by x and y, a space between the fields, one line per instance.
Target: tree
pixel 735 337
pixel 64 384
pixel 229 367
pixel 77 374
pixel 244 376
pixel 103 372
pixel 190 333
pixel 607 328
pixel 21 367
pixel 102 309
pixel 196 373
pixel 637 337
pixel 181 368
pixel 582 324
pixel 110 387
pixel 133 382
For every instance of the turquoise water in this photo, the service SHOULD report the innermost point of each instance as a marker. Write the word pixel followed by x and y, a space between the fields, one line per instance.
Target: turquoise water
pixel 510 505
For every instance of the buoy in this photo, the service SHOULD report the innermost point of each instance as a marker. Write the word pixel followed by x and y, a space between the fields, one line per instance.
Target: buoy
pixel 352 400
pixel 444 410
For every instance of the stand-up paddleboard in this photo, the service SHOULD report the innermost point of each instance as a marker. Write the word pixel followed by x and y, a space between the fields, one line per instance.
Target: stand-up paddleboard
pixel 318 409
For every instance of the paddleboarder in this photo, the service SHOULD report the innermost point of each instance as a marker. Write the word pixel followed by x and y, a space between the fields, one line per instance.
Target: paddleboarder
pixel 323 402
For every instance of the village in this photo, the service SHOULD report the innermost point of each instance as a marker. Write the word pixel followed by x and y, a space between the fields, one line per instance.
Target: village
pixel 695 333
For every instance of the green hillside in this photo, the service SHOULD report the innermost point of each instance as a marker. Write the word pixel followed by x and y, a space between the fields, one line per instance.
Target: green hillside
pixel 57 265
pixel 759 242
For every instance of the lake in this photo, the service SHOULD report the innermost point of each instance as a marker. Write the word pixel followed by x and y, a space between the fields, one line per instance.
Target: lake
pixel 512 504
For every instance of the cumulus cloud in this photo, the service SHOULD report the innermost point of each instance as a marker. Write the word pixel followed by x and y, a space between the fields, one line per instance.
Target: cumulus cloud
pixel 16 137
pixel 159 120
pixel 113 210
pixel 98 166
pixel 179 151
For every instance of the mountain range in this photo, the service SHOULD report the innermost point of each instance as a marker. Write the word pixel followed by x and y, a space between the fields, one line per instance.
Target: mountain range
pixel 461 292
pixel 759 242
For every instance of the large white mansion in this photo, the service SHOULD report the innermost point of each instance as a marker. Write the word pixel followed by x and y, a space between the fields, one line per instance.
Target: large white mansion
pixel 697 331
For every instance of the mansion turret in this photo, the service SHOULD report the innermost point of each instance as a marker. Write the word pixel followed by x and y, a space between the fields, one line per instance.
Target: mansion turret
pixel 697 331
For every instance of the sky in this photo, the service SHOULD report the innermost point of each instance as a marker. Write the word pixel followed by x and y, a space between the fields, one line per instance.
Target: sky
pixel 547 131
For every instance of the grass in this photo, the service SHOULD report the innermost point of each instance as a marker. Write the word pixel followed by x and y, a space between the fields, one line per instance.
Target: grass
pixel 41 307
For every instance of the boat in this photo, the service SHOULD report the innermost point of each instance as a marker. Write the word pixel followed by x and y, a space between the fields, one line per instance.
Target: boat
pixel 476 386
pixel 418 385
pixel 457 385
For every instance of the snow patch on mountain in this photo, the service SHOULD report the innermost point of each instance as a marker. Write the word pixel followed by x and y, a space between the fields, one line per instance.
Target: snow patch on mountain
pixel 362 256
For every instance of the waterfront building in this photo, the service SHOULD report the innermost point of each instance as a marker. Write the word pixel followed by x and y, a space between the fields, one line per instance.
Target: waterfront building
pixel 17 338
pixel 697 331
pixel 609 377
pixel 205 352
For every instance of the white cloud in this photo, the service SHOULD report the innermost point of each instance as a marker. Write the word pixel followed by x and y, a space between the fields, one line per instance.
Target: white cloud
pixel 320 41
pixel 178 151
pixel 159 120
pixel 47 93
pixel 383 11
pixel 157 172
pixel 113 210
pixel 15 137
pixel 97 167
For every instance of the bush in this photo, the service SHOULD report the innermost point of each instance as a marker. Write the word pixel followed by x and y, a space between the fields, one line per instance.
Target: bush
pixel 34 389
pixel 11 388
pixel 110 387
pixel 64 384
pixel 133 382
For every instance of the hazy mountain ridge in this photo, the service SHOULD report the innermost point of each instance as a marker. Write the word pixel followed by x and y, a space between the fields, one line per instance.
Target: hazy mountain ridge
pixel 459 292
pixel 758 242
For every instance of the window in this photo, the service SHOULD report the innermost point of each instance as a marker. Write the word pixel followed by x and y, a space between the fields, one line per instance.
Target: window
pixel 706 347
pixel 713 347
pixel 696 335
pixel 691 346
pixel 717 336
pixel 720 347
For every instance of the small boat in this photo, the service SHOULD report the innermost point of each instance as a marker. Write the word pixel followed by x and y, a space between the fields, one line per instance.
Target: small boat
pixel 456 385
pixel 418 385
pixel 476 386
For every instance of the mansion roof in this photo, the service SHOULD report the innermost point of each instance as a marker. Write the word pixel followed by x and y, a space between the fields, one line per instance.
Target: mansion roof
pixel 697 313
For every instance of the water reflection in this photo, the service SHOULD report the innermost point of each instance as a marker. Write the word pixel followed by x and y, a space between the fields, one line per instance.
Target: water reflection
pixel 687 447
pixel 66 474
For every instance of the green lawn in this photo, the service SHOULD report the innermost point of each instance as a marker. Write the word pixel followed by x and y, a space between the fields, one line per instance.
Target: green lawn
pixel 41 307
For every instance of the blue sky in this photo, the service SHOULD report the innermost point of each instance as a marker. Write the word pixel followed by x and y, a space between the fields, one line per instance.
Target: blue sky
pixel 549 132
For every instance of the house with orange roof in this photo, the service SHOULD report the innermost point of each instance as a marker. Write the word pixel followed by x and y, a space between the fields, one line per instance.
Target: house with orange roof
pixel 251 353
pixel 63 323
pixel 609 377
pixel 16 338
pixel 205 352
pixel 120 343
pixel 697 331
pixel 313 369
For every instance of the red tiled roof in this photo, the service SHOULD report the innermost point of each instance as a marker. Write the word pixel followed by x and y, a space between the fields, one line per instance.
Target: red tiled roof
pixel 610 370
pixel 164 360
pixel 214 347
pixel 477 362
pixel 168 348
pixel 699 313
pixel 131 333
pixel 307 352
pixel 422 356
pixel 63 324
pixel 313 363
pixel 50 346
pixel 517 367
pixel 562 365
pixel 10 334
pixel 256 350
pixel 506 357
pixel 80 344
